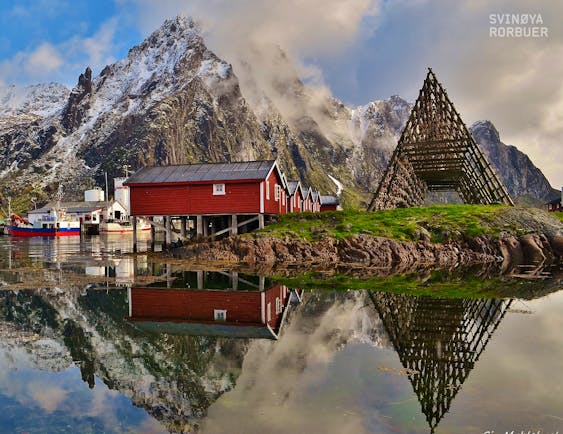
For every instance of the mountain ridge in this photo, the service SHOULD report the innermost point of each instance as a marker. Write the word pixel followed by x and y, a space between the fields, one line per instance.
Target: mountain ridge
pixel 171 100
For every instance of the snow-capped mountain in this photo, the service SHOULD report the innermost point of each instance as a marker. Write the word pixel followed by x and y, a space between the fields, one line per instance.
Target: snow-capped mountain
pixel 42 100
pixel 171 100
pixel 175 378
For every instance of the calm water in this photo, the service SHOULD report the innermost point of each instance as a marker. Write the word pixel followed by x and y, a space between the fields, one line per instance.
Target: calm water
pixel 94 341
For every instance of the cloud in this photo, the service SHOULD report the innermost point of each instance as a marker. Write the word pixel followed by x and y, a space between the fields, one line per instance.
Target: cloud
pixel 43 60
pixel 95 51
pixel 47 396
pixel 278 388
pixel 516 83
pixel 271 43
pixel 63 61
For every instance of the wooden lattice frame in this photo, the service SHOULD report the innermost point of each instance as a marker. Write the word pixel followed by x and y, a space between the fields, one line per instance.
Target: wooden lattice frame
pixel 438 341
pixel 436 152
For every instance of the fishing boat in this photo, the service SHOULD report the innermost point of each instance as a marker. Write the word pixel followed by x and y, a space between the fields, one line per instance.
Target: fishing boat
pixel 55 224
pixel 123 226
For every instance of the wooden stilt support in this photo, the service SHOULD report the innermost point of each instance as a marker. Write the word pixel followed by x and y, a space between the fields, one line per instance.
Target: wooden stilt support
pixel 199 226
pixel 134 225
pixel 260 221
pixel 169 278
pixel 199 279
pixel 153 229
pixel 234 225
pixel 235 279
pixel 168 229
pixel 183 226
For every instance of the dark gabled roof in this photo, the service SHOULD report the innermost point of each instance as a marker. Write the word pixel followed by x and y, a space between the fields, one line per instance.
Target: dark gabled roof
pixel 315 195
pixel 85 208
pixel 306 191
pixel 73 207
pixel 244 331
pixel 330 200
pixel 554 201
pixel 202 172
pixel 292 187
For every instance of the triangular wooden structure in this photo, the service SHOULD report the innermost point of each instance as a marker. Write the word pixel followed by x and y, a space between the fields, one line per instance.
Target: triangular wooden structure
pixel 438 341
pixel 436 152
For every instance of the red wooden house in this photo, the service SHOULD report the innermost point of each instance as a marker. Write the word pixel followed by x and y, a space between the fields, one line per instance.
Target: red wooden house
pixel 307 199
pixel 554 205
pixel 295 193
pixel 329 203
pixel 210 190
pixel 315 201
pixel 202 312
pixel 221 188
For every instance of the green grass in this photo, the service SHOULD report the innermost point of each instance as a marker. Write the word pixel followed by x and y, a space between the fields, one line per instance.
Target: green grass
pixel 558 215
pixel 438 283
pixel 405 224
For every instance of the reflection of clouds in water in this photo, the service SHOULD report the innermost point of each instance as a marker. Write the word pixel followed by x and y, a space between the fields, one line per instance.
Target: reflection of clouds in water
pixel 48 396
pixel 519 376
pixel 39 381
pixel 278 389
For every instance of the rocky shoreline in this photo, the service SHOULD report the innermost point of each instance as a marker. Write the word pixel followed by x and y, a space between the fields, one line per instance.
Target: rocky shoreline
pixel 540 240
pixel 374 251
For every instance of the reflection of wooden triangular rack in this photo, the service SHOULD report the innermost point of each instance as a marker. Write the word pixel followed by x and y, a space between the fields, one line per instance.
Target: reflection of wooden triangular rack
pixel 436 152
pixel 438 341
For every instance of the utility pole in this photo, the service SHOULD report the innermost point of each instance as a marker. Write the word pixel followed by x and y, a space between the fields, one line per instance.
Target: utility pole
pixel 107 197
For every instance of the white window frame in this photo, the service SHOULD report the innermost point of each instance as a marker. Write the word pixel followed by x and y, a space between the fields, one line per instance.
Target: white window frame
pixel 267 190
pixel 219 190
pixel 276 192
pixel 269 312
pixel 220 314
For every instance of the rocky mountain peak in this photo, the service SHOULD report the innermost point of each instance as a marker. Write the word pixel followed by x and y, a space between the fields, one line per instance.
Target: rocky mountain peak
pixel 78 102
pixel 523 180
pixel 486 130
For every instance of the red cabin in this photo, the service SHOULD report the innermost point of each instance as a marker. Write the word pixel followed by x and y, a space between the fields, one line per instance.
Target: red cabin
pixel 315 201
pixel 228 312
pixel 329 203
pixel 295 193
pixel 554 205
pixel 307 199
pixel 254 187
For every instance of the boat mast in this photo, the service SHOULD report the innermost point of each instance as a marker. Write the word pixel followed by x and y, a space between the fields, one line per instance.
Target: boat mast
pixel 107 196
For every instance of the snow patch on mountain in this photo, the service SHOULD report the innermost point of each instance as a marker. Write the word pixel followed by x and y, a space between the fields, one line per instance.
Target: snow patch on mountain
pixel 39 99
pixel 339 186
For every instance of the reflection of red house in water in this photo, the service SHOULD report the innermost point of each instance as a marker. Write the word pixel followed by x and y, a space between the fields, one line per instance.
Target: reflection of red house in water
pixel 201 312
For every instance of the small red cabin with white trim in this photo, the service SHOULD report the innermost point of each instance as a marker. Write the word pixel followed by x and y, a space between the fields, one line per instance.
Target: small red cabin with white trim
pixel 255 187
pixel 329 203
pixel 307 199
pixel 316 201
pixel 295 192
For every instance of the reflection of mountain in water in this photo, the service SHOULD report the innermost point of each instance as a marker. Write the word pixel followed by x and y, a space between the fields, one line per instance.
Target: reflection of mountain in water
pixel 173 376
pixel 438 341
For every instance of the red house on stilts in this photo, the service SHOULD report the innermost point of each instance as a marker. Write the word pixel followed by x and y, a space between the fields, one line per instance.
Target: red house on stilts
pixel 220 197
pixel 230 312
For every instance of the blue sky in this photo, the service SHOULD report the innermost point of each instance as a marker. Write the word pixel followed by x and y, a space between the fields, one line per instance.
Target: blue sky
pixel 359 50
